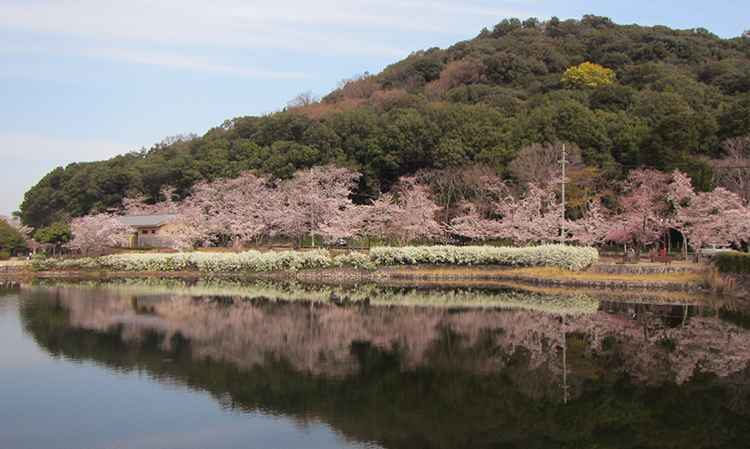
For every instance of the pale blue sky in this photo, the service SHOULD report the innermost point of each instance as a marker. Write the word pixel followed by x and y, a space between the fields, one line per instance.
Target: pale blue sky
pixel 84 80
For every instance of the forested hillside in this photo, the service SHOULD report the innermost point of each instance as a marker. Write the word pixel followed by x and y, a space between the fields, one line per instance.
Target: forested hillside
pixel 652 96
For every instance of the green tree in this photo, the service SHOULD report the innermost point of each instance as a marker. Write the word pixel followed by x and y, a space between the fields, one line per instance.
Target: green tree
pixel 613 97
pixel 734 119
pixel 11 239
pixel 672 143
pixel 56 234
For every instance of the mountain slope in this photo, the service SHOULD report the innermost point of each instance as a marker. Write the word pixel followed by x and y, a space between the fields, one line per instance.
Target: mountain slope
pixel 677 96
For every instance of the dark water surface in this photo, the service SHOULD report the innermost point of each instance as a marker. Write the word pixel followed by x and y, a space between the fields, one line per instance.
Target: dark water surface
pixel 162 364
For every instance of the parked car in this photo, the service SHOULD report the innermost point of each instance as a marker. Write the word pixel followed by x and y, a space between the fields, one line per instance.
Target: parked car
pixel 452 242
pixel 712 249
pixel 339 243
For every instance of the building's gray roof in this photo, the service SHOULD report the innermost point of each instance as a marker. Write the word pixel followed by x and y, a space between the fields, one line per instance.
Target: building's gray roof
pixel 145 220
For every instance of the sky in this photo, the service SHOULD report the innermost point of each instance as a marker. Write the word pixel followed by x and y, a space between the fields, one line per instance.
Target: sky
pixel 85 80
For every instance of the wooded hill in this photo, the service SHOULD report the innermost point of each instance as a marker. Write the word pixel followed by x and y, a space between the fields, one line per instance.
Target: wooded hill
pixel 675 96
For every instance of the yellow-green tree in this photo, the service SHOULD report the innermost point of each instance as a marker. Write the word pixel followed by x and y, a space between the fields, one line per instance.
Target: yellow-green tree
pixel 587 75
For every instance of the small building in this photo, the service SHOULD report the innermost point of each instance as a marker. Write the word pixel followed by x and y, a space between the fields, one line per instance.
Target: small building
pixel 147 227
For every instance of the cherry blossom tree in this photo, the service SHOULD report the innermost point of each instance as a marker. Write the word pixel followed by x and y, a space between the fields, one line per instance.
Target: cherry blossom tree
pixel 452 186
pixel 93 233
pixel 245 207
pixel 534 217
pixel 201 220
pixel 407 215
pixel 717 217
pixel 641 209
pixel 228 211
pixel 348 223
pixel 416 217
pixel 316 201
pixel 592 229
pixel 472 225
pixel 138 205
pixel 380 216
pixel 189 229
pixel 681 195
pixel 536 162
pixel 17 225
pixel 733 171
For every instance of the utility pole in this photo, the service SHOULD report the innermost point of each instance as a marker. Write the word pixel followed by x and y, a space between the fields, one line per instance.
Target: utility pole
pixel 562 218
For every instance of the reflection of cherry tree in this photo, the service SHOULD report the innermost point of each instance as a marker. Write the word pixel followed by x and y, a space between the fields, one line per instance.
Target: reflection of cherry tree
pixel 527 345
pixel 654 353
pixel 709 345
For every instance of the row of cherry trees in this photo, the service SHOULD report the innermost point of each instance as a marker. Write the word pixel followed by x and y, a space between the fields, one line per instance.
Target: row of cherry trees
pixel 317 203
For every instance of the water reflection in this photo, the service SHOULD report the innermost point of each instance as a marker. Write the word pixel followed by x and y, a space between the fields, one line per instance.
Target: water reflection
pixel 514 369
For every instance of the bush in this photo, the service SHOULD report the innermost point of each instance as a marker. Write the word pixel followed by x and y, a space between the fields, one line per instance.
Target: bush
pixel 354 259
pixel 214 262
pixel 569 257
pixel 4 255
pixel 733 262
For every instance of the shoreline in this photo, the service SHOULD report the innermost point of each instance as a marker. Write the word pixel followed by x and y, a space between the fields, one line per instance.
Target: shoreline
pixel 620 277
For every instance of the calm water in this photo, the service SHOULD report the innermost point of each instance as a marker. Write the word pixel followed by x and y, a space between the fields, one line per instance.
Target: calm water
pixel 163 364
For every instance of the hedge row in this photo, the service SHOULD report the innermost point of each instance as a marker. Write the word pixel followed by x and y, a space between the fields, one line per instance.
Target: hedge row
pixel 733 262
pixel 570 257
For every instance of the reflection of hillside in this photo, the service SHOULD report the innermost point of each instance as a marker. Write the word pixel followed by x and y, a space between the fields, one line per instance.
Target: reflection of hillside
pixel 317 337
pixel 417 376
pixel 483 295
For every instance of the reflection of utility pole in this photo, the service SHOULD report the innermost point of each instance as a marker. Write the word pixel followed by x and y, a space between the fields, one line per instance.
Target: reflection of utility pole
pixel 562 222
pixel 565 385
pixel 312 337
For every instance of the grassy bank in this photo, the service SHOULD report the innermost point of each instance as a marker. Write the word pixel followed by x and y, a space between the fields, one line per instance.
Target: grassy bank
pixel 562 273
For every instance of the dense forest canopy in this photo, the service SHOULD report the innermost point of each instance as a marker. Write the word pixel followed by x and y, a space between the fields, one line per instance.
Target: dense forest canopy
pixel 621 95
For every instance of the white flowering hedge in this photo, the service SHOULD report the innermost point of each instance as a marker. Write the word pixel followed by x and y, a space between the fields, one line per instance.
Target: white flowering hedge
pixel 201 261
pixel 220 262
pixel 354 259
pixel 570 257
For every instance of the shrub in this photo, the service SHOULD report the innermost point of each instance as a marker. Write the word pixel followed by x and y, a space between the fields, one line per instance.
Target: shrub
pixel 355 259
pixel 569 257
pixel 211 262
pixel 733 262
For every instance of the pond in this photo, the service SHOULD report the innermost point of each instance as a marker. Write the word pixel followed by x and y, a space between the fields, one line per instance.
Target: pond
pixel 178 364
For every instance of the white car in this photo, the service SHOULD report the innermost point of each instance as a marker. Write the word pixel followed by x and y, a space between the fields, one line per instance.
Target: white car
pixel 709 250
